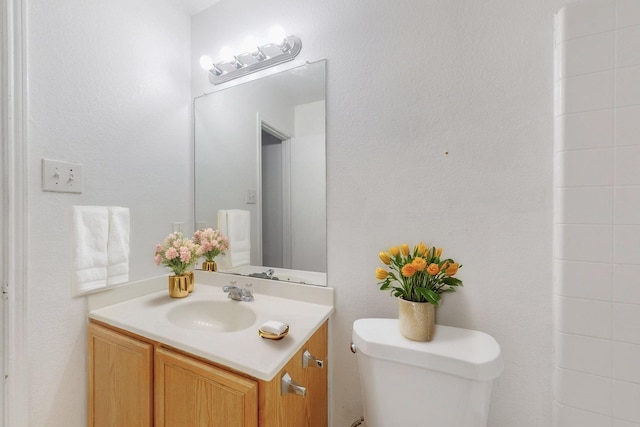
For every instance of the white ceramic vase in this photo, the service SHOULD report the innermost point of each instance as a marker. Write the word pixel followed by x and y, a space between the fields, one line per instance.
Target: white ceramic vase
pixel 417 320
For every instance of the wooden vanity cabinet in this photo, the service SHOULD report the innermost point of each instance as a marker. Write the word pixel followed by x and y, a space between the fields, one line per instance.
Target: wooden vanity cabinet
pixel 136 382
pixel 120 379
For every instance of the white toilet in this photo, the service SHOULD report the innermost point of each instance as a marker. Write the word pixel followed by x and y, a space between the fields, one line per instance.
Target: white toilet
pixel 445 382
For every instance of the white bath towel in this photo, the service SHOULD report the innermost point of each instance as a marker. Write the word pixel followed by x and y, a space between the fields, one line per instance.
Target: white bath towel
pixel 239 227
pixel 90 231
pixel 222 222
pixel 118 246
pixel 236 225
pixel 223 260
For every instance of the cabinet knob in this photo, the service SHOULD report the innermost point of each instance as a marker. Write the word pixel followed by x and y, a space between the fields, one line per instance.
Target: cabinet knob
pixel 309 360
pixel 288 385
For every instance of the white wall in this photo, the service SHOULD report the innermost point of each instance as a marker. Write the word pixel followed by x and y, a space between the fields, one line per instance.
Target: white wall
pixel 407 83
pixel 308 189
pixel 109 88
pixel 597 227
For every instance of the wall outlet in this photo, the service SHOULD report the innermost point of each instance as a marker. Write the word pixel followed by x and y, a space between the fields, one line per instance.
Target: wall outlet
pixel 63 177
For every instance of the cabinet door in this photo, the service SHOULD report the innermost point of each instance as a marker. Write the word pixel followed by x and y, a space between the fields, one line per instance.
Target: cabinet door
pixel 120 375
pixel 289 410
pixel 316 379
pixel 193 393
pixel 292 410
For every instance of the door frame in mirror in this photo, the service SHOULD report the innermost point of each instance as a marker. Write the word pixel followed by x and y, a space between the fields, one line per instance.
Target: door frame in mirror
pixel 266 125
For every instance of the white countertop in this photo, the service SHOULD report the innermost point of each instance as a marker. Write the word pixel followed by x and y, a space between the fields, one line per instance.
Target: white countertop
pixel 304 308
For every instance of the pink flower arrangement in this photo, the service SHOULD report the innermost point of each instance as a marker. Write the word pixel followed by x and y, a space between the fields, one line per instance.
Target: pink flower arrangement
pixel 212 243
pixel 177 253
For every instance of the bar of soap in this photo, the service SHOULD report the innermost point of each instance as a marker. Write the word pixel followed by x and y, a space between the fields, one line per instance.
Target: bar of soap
pixel 274 327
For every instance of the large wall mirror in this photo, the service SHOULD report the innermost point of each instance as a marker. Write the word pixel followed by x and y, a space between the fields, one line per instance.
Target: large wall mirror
pixel 260 174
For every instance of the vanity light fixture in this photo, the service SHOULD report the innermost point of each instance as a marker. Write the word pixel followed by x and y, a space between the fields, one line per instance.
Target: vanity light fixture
pixel 282 49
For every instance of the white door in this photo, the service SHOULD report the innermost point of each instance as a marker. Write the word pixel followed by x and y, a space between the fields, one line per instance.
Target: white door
pixel 3 216
pixel 14 380
pixel 3 309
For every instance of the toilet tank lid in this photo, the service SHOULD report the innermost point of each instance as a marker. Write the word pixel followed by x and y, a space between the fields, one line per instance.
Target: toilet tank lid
pixel 463 352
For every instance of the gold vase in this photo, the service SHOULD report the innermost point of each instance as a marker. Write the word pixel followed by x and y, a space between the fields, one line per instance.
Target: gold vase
pixel 209 266
pixel 190 281
pixel 178 287
pixel 417 320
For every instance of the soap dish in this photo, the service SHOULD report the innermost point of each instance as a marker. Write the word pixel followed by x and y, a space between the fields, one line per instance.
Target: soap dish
pixel 272 336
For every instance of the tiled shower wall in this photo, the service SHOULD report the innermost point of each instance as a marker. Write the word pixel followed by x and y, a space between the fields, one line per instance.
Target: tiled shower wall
pixel 597 215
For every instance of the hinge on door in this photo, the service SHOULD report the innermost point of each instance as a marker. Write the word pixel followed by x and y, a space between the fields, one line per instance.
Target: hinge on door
pixel 5 290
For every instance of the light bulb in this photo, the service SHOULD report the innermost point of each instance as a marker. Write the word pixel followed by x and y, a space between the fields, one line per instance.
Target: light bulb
pixel 206 63
pixel 227 54
pixel 277 34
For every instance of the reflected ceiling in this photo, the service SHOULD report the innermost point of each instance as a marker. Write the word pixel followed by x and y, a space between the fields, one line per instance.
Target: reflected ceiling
pixel 194 6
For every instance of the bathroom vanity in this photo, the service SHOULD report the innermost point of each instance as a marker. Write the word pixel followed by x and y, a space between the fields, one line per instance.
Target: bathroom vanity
pixel 147 367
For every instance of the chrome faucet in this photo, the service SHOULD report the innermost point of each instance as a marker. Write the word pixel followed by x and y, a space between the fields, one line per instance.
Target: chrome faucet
pixel 237 294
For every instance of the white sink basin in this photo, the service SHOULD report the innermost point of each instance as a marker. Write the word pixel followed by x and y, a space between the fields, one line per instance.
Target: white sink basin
pixel 217 316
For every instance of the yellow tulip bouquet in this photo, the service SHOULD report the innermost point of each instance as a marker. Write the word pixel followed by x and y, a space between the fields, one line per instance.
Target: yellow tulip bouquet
pixel 418 276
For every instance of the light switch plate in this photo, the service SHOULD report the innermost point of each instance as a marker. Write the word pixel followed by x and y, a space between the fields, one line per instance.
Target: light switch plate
pixel 62 177
pixel 252 196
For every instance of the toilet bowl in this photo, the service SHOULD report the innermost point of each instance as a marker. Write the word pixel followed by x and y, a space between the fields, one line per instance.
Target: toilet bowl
pixel 445 382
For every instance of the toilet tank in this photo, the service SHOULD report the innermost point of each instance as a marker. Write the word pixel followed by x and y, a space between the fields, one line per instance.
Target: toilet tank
pixel 445 382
